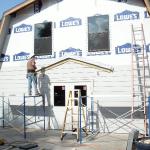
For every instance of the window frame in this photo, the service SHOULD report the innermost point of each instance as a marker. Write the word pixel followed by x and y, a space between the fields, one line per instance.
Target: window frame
pixel 46 39
pixel 106 34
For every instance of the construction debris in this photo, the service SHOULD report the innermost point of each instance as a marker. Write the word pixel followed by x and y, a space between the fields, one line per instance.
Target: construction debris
pixel 18 144
pixel 24 145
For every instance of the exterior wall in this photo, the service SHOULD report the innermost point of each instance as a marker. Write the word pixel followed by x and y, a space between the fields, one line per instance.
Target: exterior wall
pixel 111 89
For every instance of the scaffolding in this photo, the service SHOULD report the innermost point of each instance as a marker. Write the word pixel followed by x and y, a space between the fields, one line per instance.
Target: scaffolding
pixel 111 120
pixel 33 119
pixel 28 110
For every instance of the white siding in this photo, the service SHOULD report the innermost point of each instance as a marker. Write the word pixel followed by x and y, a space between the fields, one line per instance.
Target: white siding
pixel 112 89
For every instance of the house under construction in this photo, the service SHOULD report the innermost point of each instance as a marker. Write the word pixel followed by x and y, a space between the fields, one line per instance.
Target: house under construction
pixel 95 57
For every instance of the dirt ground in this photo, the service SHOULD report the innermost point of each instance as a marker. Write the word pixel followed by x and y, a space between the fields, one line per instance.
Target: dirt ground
pixel 50 140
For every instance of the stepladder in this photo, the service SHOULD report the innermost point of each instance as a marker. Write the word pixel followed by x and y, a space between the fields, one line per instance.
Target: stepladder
pixel 140 71
pixel 75 115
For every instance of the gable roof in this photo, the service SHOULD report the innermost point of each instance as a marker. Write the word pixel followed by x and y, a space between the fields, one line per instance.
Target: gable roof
pixel 15 9
pixel 82 61
pixel 19 7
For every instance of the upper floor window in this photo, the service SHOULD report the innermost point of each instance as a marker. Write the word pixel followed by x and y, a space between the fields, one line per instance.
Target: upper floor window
pixel 43 38
pixel 98 33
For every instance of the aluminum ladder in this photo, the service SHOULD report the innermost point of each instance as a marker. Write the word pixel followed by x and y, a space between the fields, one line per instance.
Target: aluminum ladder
pixel 140 71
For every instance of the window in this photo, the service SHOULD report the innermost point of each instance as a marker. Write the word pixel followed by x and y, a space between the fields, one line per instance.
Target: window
pixel 43 38
pixel 98 33
pixel 59 95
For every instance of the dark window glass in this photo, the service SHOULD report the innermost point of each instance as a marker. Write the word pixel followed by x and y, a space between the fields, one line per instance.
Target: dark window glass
pixel 43 38
pixel 98 33
pixel 59 96
pixel 83 90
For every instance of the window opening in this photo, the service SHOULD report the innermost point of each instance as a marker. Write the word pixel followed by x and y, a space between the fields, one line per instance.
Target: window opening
pixel 59 95
pixel 98 33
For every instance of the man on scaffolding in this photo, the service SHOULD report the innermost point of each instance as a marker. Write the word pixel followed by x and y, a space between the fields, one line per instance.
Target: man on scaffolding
pixel 32 76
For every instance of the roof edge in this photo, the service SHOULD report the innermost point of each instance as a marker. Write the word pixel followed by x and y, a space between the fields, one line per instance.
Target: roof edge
pixel 18 7
pixel 147 3
pixel 82 62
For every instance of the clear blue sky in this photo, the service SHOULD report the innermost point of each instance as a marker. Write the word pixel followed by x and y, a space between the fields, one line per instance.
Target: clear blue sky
pixel 7 4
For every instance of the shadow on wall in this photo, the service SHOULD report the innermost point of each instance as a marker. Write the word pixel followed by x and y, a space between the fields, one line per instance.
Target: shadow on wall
pixel 36 113
pixel 1 59
pixel 44 88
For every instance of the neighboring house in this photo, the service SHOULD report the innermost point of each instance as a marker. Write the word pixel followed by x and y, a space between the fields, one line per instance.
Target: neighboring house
pixel 82 44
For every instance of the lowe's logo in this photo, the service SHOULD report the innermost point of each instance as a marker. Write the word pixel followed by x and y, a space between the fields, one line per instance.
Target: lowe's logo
pixel 148 47
pixel 126 49
pixel 4 58
pixel 23 28
pixel 21 56
pixel 126 15
pixel 146 14
pixel 70 22
pixel 70 52
pixel 123 49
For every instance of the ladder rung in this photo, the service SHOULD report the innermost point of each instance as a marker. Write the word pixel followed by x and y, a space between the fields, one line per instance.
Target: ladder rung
pixel 69 132
pixel 141 67
pixel 137 31
pixel 136 76
pixel 74 123
pixel 137 62
pixel 139 39
pixel 73 99
pixel 92 111
pixel 75 114
pixel 137 27
pixel 137 93
pixel 138 84
pixel 93 123
pixel 146 76
pixel 140 56
pixel 146 67
pixel 69 107
pixel 141 61
pixel 137 69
